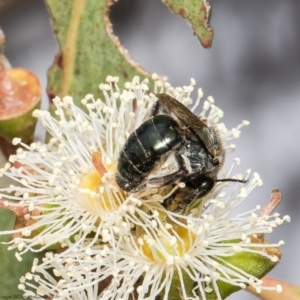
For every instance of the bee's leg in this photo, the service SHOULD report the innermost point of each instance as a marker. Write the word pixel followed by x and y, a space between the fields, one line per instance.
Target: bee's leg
pixel 181 198
pixel 176 202
pixel 181 171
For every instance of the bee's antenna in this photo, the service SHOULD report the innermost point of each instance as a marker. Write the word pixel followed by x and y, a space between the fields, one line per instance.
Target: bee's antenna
pixel 231 180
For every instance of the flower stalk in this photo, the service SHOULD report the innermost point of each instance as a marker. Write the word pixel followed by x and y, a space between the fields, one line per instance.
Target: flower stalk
pixel 285 290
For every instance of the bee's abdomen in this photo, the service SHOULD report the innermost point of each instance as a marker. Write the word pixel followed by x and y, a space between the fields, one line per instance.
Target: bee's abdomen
pixel 145 147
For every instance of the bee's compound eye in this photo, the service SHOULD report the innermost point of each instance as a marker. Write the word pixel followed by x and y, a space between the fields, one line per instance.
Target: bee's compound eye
pixel 215 162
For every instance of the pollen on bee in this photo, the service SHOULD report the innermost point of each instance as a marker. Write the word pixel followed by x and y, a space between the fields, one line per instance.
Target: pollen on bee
pixel 181 184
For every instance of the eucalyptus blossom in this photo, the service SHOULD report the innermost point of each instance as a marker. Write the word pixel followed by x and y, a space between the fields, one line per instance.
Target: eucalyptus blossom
pixel 118 245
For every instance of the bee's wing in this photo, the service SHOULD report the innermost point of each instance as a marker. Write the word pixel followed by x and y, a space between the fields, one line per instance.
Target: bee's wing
pixel 169 105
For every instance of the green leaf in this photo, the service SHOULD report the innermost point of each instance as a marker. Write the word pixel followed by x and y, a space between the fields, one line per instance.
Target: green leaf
pixel 88 49
pixel 197 13
pixel 10 268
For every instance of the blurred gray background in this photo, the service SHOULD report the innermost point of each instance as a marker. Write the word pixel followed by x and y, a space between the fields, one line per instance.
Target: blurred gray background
pixel 252 71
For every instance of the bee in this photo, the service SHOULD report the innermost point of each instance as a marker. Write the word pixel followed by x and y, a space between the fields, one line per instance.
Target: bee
pixel 172 136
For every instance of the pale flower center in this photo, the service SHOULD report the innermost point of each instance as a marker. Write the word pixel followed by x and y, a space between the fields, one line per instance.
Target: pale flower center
pixel 99 192
pixel 177 243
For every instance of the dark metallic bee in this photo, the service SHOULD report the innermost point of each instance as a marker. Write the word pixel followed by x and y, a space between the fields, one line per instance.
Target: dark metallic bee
pixel 172 133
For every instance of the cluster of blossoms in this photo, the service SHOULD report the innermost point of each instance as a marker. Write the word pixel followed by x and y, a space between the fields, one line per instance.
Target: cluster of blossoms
pixel 117 245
